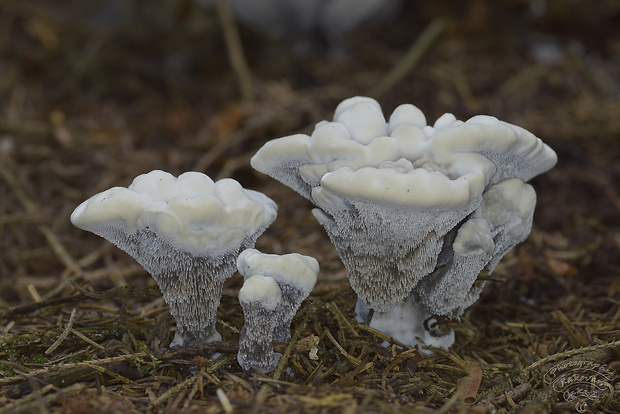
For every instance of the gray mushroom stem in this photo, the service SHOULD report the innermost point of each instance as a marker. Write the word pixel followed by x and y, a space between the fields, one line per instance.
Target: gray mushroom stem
pixel 190 285
pixel 193 301
pixel 286 311
pixel 256 339
pixel 386 250
pixel 259 298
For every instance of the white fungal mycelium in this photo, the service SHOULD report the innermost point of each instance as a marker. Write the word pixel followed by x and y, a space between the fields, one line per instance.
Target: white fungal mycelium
pixel 260 297
pixel 186 232
pixel 295 274
pixel 414 210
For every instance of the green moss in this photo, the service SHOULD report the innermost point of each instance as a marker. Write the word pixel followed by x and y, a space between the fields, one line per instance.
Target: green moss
pixel 86 356
pixel 39 359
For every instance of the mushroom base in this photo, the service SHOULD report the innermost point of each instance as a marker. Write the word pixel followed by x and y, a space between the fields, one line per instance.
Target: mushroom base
pixel 256 338
pixel 409 323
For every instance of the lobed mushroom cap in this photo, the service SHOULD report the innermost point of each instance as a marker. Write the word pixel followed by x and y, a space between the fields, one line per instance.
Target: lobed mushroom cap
pixel 516 152
pixel 191 212
pixel 293 269
pixel 261 289
pixel 361 156
pixel 400 183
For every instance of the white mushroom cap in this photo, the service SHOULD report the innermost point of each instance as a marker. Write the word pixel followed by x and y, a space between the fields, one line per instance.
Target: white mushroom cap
pixel 190 212
pixel 516 152
pixel 292 269
pixel 400 183
pixel 261 289
pixel 358 139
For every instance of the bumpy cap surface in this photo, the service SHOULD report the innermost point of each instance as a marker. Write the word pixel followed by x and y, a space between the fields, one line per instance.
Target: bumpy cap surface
pixel 261 289
pixel 191 212
pixel 362 156
pixel 292 269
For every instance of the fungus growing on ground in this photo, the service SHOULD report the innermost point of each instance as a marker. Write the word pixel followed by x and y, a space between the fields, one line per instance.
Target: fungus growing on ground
pixel 296 276
pixel 260 297
pixel 186 232
pixel 415 211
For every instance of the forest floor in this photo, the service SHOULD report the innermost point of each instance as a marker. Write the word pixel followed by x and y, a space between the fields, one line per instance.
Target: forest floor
pixel 93 94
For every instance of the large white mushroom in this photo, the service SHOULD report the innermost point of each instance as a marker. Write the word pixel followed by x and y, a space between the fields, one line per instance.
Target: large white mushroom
pixel 186 232
pixel 296 276
pixel 414 210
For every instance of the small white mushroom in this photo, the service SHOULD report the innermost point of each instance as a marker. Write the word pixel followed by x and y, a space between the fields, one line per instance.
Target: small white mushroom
pixel 186 232
pixel 403 200
pixel 296 276
pixel 259 298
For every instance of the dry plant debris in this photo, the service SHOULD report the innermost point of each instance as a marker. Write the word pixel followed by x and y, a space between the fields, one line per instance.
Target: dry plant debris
pixel 94 93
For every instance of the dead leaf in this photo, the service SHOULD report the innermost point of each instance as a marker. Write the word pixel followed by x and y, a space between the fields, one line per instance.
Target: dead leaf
pixel 467 387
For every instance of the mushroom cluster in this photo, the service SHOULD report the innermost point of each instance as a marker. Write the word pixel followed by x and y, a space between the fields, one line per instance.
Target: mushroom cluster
pixel 186 232
pixel 274 287
pixel 415 211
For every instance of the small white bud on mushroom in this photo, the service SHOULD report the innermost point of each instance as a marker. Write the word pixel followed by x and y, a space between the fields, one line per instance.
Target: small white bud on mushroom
pixel 413 209
pixel 186 232
pixel 296 276
pixel 259 298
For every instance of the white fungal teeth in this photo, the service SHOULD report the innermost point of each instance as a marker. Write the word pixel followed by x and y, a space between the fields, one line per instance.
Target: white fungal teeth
pixel 186 232
pixel 390 193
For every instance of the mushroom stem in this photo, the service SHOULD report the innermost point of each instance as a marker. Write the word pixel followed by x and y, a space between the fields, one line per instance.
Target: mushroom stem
pixel 259 298
pixel 256 339
pixel 387 251
pixel 193 301
pixel 286 310
pixel 190 285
